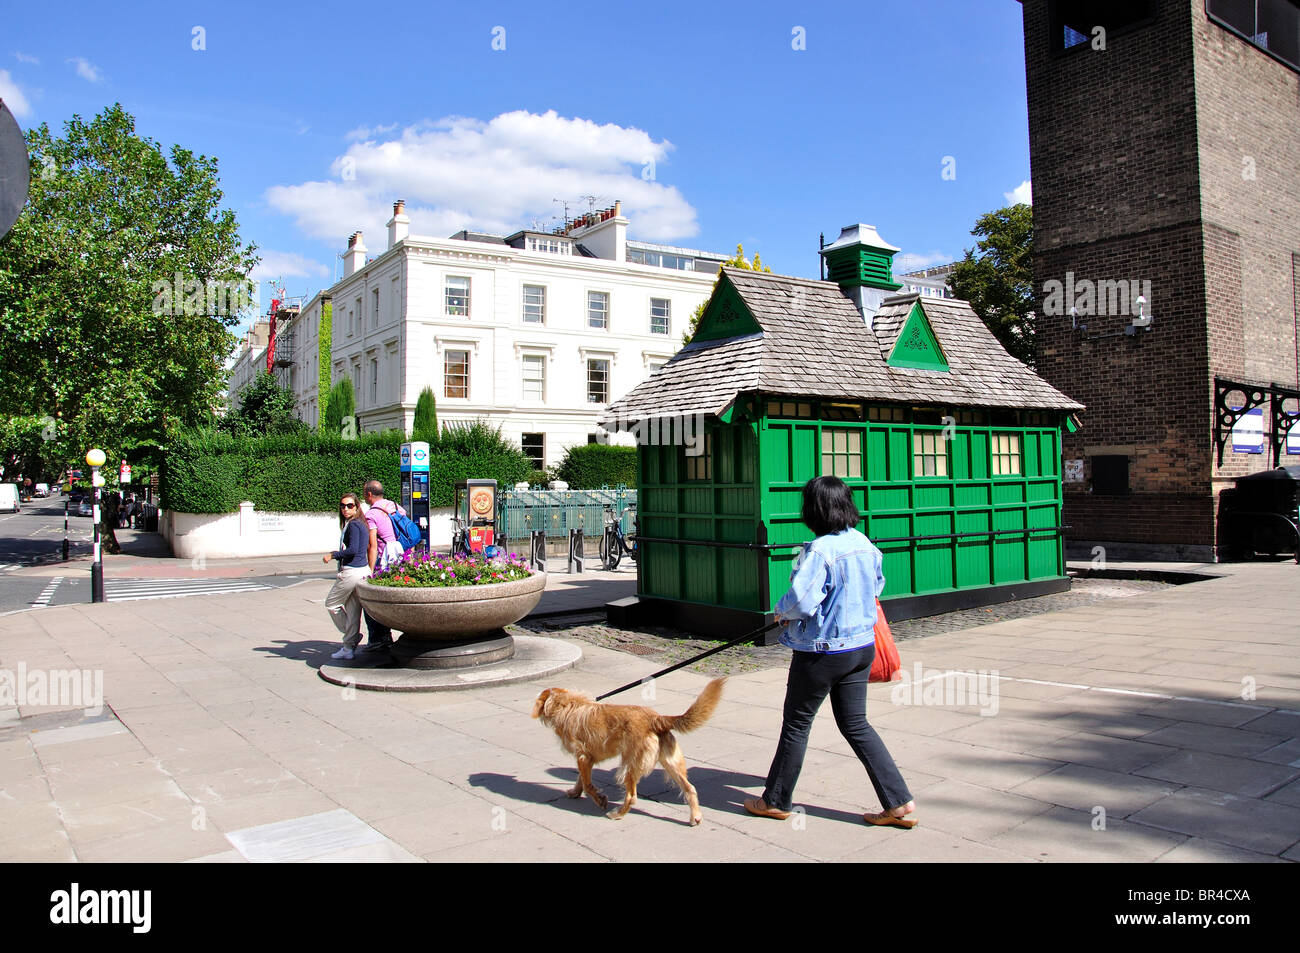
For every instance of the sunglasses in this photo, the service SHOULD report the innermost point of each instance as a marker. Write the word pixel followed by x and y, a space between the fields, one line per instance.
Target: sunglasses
pixel 347 506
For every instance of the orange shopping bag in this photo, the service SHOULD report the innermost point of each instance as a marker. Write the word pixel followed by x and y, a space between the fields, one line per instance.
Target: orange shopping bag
pixel 885 667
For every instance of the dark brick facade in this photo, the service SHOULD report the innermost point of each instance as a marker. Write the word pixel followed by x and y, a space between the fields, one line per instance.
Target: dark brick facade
pixel 1169 157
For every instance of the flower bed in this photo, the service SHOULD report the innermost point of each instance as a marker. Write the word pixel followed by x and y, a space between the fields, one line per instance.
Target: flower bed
pixel 426 570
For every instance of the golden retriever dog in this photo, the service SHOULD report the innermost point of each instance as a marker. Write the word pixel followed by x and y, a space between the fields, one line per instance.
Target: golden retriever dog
pixel 596 732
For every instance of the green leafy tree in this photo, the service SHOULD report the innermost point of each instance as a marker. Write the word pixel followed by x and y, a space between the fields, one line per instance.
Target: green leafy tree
pixel 117 286
pixel 737 260
pixel 264 408
pixel 425 425
pixel 997 278
pixel 340 403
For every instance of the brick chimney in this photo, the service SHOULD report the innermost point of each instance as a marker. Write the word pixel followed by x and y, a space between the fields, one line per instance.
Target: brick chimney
pixel 862 264
pixel 399 226
pixel 354 259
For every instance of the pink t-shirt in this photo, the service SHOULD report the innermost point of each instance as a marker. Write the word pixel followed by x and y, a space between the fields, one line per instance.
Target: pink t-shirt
pixel 378 518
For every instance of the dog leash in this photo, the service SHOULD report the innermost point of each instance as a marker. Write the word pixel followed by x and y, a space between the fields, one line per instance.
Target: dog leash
pixel 748 637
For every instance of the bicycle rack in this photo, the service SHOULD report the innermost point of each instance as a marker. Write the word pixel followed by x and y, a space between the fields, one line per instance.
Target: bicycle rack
pixel 576 558
pixel 537 550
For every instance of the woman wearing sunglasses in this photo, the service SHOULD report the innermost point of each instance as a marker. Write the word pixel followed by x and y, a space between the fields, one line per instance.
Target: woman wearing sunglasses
pixel 342 602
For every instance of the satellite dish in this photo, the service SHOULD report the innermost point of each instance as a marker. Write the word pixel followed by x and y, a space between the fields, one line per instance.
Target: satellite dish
pixel 14 170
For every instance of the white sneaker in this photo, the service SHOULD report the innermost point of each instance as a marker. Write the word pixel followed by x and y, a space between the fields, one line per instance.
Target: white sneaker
pixel 345 654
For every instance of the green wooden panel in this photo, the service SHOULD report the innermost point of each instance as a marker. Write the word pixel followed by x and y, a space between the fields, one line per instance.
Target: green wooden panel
pixel 806 456
pixel 974 494
pixel 726 316
pixel 738 576
pixel 899 460
pixel 931 497
pixel 735 501
pixel 917 345
pixel 980 462
pixel 775 454
pixel 974 556
pixel 1039 490
pixel 877 452
pixel 699 574
pixel 1050 454
pixel 959 455
pixel 885 499
pixel 1032 455
pixel 1009 492
pixel 697 499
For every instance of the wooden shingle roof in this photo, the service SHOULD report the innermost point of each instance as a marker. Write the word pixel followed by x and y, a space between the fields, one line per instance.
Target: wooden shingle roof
pixel 814 343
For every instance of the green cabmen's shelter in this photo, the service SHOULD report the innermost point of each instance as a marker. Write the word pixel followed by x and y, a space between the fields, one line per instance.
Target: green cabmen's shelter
pixel 952 447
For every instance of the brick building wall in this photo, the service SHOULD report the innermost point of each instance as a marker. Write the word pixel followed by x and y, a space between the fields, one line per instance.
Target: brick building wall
pixel 1137 158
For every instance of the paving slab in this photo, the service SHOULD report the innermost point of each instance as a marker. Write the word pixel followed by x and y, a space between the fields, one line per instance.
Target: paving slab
pixel 226 728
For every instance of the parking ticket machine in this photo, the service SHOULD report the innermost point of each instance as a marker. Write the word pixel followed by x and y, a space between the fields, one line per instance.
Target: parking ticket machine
pixel 415 485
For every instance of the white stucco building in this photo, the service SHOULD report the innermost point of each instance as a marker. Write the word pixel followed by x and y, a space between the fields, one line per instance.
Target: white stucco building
pixel 535 331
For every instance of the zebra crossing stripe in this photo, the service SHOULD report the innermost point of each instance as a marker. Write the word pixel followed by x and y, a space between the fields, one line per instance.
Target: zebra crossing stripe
pixel 125 591
pixel 43 600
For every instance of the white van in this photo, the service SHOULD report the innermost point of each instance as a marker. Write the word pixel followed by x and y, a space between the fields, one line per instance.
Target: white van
pixel 42 489
pixel 8 498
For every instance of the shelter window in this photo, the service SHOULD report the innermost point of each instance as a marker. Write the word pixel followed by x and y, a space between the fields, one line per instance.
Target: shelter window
pixel 929 455
pixel 1006 454
pixel 1035 418
pixel 788 408
pixel 889 415
pixel 970 417
pixel 842 453
pixel 700 466
pixel 838 411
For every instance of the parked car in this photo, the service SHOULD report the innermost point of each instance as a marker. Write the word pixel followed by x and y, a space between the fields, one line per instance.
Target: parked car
pixel 9 497
pixel 85 507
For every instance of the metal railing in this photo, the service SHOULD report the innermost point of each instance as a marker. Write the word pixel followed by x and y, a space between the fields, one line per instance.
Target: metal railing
pixel 520 513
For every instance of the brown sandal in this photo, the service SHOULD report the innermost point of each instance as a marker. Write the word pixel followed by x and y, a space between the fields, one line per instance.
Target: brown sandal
pixel 885 819
pixel 758 807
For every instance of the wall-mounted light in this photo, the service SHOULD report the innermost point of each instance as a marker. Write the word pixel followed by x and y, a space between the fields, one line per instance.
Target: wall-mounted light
pixel 1142 320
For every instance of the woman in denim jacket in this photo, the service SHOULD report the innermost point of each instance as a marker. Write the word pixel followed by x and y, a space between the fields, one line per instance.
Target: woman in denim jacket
pixel 830 613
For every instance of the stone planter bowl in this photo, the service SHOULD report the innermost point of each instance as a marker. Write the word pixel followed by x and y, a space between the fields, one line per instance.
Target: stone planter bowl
pixel 452 626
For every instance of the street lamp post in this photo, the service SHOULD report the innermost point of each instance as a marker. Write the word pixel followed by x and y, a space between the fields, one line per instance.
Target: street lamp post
pixel 96 460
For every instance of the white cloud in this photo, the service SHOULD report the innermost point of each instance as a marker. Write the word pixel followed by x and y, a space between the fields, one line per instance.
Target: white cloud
pixel 286 264
pixel 86 69
pixel 915 261
pixel 28 58
pixel 361 133
pixel 495 176
pixel 13 96
pixel 1022 194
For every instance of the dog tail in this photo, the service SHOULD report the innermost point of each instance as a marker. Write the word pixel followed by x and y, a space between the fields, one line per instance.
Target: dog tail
pixel 697 714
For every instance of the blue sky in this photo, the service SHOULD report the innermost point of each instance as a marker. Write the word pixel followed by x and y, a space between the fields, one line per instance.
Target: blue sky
pixel 704 119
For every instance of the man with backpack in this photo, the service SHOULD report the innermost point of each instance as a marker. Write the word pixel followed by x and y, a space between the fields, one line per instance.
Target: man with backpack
pixel 384 550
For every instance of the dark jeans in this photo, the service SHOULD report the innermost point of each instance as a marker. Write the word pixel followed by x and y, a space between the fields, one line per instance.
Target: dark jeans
pixel 843 675
pixel 380 634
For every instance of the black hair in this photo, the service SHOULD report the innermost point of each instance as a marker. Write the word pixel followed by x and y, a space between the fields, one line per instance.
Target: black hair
pixel 828 506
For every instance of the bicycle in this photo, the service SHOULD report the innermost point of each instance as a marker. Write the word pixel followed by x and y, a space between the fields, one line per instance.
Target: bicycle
pixel 614 543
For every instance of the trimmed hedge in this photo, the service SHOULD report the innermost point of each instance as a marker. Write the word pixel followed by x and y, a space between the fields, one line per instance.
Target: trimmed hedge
pixel 207 472
pixel 594 465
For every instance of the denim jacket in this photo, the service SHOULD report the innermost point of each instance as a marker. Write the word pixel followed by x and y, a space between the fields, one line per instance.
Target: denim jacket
pixel 832 597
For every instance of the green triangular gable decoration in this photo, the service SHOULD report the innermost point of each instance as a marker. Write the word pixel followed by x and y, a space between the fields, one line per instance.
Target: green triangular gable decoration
pixel 727 316
pixel 916 345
